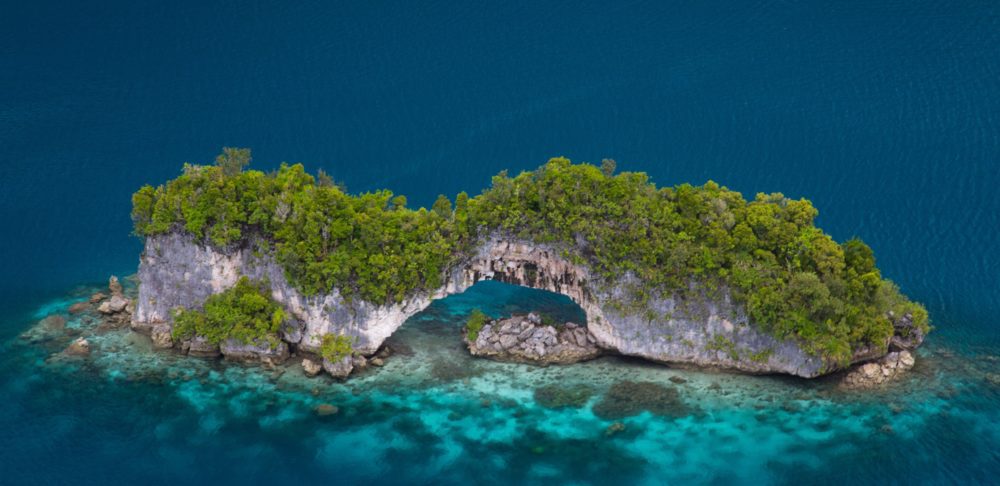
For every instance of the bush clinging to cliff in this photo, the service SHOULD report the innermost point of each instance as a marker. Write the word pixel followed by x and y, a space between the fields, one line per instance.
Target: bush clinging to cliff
pixel 335 347
pixel 244 312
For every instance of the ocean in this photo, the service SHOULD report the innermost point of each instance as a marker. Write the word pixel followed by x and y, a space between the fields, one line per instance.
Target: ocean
pixel 886 114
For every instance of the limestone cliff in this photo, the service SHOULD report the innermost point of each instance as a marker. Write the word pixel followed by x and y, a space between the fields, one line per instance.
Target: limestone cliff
pixel 177 271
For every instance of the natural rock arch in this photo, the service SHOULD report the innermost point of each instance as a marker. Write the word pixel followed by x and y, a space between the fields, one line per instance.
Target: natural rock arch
pixel 542 267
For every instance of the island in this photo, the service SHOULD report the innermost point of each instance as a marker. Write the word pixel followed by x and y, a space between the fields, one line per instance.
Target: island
pixel 260 266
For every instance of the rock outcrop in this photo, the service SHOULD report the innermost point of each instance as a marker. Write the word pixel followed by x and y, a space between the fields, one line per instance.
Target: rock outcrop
pixel 118 308
pixel 524 339
pixel 711 330
pixel 876 373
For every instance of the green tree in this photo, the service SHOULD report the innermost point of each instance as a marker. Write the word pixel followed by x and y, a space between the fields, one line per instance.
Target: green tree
pixel 608 167
pixel 442 207
pixel 232 160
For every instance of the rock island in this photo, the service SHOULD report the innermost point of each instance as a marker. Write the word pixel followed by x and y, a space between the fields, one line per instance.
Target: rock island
pixel 260 266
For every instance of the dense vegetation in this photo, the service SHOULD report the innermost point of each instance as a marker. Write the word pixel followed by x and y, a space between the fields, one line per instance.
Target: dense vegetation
pixel 244 312
pixel 794 280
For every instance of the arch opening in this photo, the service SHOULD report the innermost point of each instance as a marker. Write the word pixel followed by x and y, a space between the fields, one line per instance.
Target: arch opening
pixel 441 322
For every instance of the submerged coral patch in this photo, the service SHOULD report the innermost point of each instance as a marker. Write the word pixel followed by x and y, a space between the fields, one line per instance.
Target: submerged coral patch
pixel 559 396
pixel 627 398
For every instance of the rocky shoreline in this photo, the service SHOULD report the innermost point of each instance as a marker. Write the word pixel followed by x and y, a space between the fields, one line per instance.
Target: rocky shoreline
pixel 524 339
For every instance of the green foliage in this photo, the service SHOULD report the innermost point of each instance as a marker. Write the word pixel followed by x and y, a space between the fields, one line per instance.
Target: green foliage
pixel 244 312
pixel 475 324
pixel 688 241
pixel 335 347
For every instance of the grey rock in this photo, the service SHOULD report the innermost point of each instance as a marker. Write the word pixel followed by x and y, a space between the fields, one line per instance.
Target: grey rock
pixel 267 352
pixel 340 368
pixel 114 305
pixel 508 340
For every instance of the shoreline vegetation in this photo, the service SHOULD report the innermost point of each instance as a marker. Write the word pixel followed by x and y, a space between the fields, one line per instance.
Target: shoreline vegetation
pixel 794 281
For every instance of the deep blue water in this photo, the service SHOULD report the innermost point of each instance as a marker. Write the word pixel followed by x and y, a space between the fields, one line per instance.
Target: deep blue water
pixel 886 114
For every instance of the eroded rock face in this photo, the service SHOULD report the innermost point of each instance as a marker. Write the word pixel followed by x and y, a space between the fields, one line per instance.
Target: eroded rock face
pixel 876 373
pixel 712 330
pixel 175 271
pixel 161 336
pixel 201 348
pixel 524 339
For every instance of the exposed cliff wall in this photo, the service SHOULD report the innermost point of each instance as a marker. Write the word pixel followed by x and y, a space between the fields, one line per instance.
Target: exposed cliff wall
pixel 176 271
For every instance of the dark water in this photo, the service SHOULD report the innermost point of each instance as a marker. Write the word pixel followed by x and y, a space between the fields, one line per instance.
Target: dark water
pixel 885 113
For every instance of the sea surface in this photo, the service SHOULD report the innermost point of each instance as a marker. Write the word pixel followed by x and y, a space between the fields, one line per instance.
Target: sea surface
pixel 886 114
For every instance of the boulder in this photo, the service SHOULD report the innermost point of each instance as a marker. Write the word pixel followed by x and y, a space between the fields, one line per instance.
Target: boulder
pixel 79 347
pixel 97 297
pixel 311 368
pixel 340 368
pixel 114 305
pixel 161 336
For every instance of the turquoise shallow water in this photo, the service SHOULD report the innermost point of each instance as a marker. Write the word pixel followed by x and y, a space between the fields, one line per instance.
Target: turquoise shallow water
pixel 435 415
pixel 884 113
